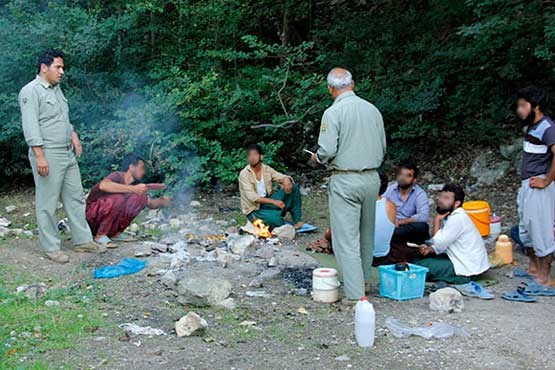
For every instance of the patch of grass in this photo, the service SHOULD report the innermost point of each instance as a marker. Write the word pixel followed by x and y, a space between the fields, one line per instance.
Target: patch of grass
pixel 29 328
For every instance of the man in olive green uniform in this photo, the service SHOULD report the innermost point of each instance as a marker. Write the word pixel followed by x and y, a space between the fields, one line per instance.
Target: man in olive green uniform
pixel 352 144
pixel 52 140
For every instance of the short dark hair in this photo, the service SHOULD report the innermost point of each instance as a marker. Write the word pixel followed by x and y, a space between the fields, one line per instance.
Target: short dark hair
pixel 47 57
pixel 408 165
pixel 383 182
pixel 455 189
pixel 536 96
pixel 256 147
pixel 130 159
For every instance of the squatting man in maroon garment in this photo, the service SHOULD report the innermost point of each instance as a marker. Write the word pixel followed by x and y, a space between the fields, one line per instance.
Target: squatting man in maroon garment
pixel 117 200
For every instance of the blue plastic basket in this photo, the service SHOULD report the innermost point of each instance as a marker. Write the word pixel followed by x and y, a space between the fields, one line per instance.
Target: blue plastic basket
pixel 402 285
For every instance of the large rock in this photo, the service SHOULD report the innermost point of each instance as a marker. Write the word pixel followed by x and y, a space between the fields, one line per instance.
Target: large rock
pixel 202 290
pixel 190 324
pixel 241 244
pixel 446 300
pixel 295 259
pixel 285 232
pixel 510 151
pixel 487 170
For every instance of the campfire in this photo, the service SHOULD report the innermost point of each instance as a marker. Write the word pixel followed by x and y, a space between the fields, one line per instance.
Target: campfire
pixel 261 229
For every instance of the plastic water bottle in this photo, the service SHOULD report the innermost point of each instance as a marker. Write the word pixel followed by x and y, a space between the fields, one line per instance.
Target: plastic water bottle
pixel 365 323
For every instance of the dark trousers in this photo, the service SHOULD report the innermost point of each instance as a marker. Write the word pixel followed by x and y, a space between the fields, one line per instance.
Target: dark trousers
pixel 416 232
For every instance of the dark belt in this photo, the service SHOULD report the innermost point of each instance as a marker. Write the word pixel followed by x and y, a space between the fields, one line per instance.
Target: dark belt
pixel 343 172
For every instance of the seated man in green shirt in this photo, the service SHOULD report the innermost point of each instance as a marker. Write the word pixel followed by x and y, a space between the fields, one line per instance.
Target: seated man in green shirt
pixel 257 199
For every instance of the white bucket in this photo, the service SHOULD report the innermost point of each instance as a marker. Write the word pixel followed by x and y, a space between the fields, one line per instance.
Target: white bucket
pixel 325 285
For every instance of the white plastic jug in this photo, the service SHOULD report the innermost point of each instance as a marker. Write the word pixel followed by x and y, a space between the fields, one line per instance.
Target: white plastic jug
pixel 365 323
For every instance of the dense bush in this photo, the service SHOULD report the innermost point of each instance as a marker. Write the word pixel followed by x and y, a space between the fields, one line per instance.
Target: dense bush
pixel 189 83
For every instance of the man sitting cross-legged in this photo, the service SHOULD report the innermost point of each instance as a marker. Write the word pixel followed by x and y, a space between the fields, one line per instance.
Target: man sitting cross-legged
pixel 117 200
pixel 457 253
pixel 257 199
pixel 413 211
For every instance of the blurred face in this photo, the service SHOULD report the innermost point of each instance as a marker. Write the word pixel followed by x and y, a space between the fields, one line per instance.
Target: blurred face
pixel 446 203
pixel 54 72
pixel 525 113
pixel 254 157
pixel 405 178
pixel 138 171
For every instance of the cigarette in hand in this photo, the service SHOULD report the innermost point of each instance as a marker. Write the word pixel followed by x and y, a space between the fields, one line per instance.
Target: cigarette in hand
pixel 308 151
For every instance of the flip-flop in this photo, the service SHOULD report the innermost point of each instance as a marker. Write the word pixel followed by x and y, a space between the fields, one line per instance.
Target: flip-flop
pixel 123 237
pixel 473 289
pixel 107 242
pixel 518 295
pixel 533 288
pixel 522 273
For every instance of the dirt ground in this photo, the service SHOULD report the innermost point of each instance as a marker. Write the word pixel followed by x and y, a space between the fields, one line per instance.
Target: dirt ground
pixel 504 335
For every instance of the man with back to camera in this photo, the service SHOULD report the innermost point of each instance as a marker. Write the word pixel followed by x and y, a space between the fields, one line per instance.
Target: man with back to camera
pixel 352 144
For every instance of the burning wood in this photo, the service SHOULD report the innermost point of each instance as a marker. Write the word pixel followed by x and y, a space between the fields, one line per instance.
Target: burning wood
pixel 261 229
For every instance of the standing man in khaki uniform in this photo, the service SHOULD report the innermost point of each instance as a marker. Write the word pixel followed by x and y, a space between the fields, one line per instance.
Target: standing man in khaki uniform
pixel 52 142
pixel 352 144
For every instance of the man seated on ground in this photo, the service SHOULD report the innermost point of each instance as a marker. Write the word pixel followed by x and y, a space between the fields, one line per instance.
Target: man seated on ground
pixel 257 199
pixel 457 253
pixel 114 202
pixel 413 212
pixel 385 226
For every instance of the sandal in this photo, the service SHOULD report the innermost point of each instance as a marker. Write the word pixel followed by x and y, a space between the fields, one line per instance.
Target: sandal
pixel 107 242
pixel 533 288
pixel 124 237
pixel 473 289
pixel 519 295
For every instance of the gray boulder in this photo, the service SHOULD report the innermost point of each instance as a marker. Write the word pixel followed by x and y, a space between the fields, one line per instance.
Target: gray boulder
pixel 202 290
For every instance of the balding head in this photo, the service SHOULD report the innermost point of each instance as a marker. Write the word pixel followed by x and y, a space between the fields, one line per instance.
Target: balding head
pixel 339 81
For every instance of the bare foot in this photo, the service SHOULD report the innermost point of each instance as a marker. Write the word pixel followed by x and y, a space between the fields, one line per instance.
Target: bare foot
pixel 298 225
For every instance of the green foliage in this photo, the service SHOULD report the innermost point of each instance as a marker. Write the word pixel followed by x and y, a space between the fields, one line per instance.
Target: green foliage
pixel 189 83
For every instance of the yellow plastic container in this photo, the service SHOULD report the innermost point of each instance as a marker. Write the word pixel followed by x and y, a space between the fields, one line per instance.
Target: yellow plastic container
pixel 504 249
pixel 479 212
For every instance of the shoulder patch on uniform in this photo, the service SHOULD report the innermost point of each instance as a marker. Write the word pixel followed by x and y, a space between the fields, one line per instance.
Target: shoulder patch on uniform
pixel 324 127
pixel 25 100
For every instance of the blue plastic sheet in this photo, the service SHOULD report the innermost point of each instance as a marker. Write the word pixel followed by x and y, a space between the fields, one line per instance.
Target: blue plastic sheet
pixel 125 267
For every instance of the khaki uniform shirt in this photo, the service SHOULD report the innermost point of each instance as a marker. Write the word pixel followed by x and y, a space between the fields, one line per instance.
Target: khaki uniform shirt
pixel 247 186
pixel 352 135
pixel 45 115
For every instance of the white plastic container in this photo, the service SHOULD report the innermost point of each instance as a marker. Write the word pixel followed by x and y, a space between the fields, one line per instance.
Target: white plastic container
pixel 325 285
pixel 365 323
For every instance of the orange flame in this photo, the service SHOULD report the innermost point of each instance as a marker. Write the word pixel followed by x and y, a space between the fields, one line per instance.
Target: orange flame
pixel 262 230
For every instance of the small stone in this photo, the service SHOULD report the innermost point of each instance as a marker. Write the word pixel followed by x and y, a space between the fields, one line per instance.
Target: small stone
pixel 51 303
pixel 265 252
pixel 342 358
pixel 5 222
pixel 241 244
pixel 228 303
pixel 17 232
pixel 194 204
pixel 285 232
pixel 272 262
pixel 169 280
pixel 435 187
pixel 33 291
pixel 224 258
pixel 256 283
pixel 446 300
pixel 190 324
pixel 4 231
pixel 10 208
pixel 175 223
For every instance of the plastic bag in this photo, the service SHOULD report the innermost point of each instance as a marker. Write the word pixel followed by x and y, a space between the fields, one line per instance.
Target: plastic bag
pixel 439 330
pixel 125 267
